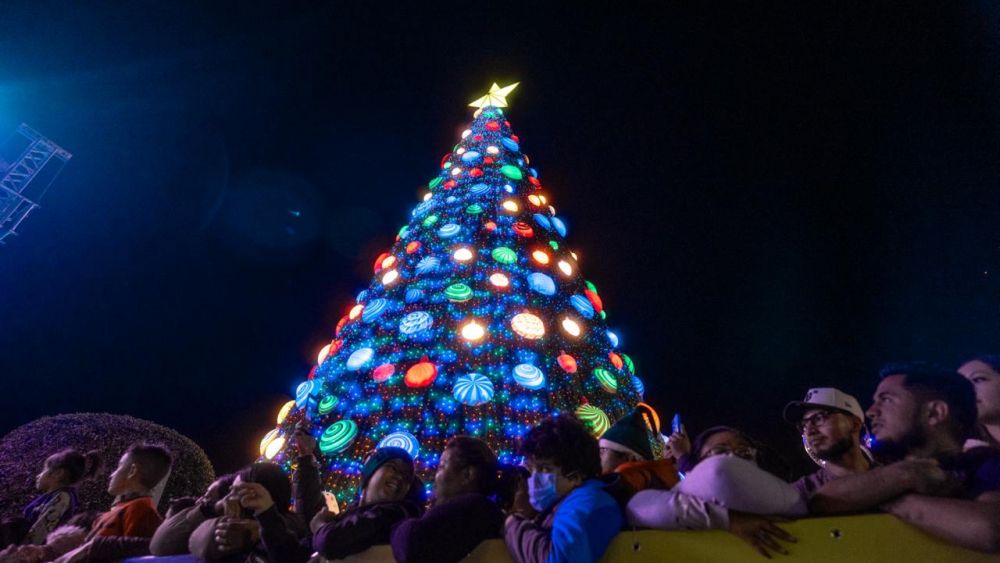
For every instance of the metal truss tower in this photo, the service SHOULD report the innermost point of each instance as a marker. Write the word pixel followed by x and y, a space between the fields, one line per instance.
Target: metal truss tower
pixel 25 180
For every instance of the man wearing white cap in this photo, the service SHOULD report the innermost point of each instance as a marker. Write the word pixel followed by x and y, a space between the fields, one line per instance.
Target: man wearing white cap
pixel 830 423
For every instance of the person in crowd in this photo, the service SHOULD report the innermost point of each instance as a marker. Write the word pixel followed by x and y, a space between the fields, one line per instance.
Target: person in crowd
pixel 390 493
pixel 576 518
pixel 984 373
pixel 236 532
pixel 173 536
pixel 471 491
pixel 631 450
pixel 831 423
pixel 125 530
pixel 726 488
pixel 57 482
pixel 920 417
pixel 63 539
pixel 184 517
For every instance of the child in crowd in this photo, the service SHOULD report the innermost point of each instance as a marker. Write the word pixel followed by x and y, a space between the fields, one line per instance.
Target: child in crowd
pixel 576 517
pixel 57 503
pixel 632 450
pixel 125 530
pixel 471 492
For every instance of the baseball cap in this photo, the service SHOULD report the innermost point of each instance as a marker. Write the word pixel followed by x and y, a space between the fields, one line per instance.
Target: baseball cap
pixel 823 397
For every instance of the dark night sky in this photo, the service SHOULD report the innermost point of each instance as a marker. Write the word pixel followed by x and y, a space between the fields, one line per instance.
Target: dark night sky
pixel 768 198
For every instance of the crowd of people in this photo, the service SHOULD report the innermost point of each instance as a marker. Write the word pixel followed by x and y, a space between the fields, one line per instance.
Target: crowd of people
pixel 930 456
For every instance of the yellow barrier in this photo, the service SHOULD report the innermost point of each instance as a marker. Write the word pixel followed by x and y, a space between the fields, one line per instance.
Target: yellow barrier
pixel 876 538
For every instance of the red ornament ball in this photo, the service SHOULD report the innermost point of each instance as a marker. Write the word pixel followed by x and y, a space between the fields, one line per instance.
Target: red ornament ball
pixel 595 300
pixel 534 181
pixel 475 172
pixel 488 160
pixel 412 247
pixel 449 184
pixel 491 226
pixel 383 372
pixel 492 125
pixel 524 229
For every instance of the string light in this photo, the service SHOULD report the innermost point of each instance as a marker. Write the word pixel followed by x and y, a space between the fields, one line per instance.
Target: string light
pixel 473 331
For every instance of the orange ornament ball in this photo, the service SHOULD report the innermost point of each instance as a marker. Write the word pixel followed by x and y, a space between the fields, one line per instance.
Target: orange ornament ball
pixel 421 374
pixel 616 360
pixel 412 247
pixel 567 362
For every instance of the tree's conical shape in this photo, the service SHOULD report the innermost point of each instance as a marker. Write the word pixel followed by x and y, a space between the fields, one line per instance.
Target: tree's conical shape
pixel 478 321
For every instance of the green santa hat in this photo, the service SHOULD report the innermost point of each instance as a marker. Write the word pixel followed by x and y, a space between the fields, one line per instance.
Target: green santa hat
pixel 630 435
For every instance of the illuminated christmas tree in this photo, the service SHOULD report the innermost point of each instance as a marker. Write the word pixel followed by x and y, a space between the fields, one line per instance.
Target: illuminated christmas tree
pixel 477 321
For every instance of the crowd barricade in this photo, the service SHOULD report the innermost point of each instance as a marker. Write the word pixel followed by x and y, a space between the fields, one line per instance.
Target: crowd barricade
pixel 873 538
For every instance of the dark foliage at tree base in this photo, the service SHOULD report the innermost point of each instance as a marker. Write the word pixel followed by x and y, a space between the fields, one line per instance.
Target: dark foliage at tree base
pixel 23 452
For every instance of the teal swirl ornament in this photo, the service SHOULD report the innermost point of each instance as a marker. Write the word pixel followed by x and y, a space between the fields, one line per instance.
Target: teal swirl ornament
pixel 338 436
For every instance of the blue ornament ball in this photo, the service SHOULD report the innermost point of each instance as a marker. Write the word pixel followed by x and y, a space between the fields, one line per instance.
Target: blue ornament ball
pixel 402 439
pixel 543 221
pixel 582 305
pixel 541 283
pixel 473 389
pixel 449 230
pixel 374 309
pixel 359 358
pixel 416 322
pixel 427 265
pixel 559 226
pixel 529 376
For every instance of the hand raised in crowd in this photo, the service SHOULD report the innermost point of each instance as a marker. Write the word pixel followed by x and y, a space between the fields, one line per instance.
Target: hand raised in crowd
pixel 678 444
pixel 302 441
pixel 760 532
pixel 234 535
pixel 254 497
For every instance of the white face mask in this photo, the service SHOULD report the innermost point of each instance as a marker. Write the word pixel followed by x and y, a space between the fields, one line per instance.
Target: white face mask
pixel 542 490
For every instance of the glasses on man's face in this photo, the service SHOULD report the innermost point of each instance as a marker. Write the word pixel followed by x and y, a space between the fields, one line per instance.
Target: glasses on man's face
pixel 745 452
pixel 815 420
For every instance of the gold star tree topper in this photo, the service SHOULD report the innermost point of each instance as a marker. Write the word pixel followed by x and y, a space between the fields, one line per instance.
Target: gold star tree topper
pixel 497 97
